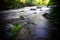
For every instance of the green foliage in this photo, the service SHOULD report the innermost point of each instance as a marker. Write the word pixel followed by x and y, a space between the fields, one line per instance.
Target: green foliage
pixel 10 4
pixel 14 4
pixel 51 2
pixel 41 2
pixel 55 14
pixel 15 29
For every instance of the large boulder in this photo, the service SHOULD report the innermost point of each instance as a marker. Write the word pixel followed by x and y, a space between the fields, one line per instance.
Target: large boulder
pixel 32 9
pixel 46 15
pixel 38 7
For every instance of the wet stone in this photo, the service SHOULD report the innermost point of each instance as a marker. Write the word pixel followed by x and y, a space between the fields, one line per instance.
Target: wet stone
pixel 6 31
pixel 39 7
pixel 46 15
pixel 22 17
pixel 33 23
pixel 32 9
pixel 35 13
pixel 22 11
pixel 27 18
pixel 8 27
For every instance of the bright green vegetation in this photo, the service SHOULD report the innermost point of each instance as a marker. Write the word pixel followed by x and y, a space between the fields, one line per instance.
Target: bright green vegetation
pixel 15 4
pixel 36 2
pixel 15 29
pixel 41 2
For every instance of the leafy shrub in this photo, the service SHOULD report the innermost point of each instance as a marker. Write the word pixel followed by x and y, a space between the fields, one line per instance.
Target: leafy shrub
pixel 15 29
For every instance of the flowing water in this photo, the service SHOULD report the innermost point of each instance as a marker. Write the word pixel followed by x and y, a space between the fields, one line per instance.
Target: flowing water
pixel 39 25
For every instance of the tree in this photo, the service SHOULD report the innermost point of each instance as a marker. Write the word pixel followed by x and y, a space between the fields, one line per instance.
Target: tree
pixel 10 4
pixel 55 14
pixel 40 2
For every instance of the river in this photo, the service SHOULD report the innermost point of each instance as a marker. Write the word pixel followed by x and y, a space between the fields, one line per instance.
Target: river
pixel 39 25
